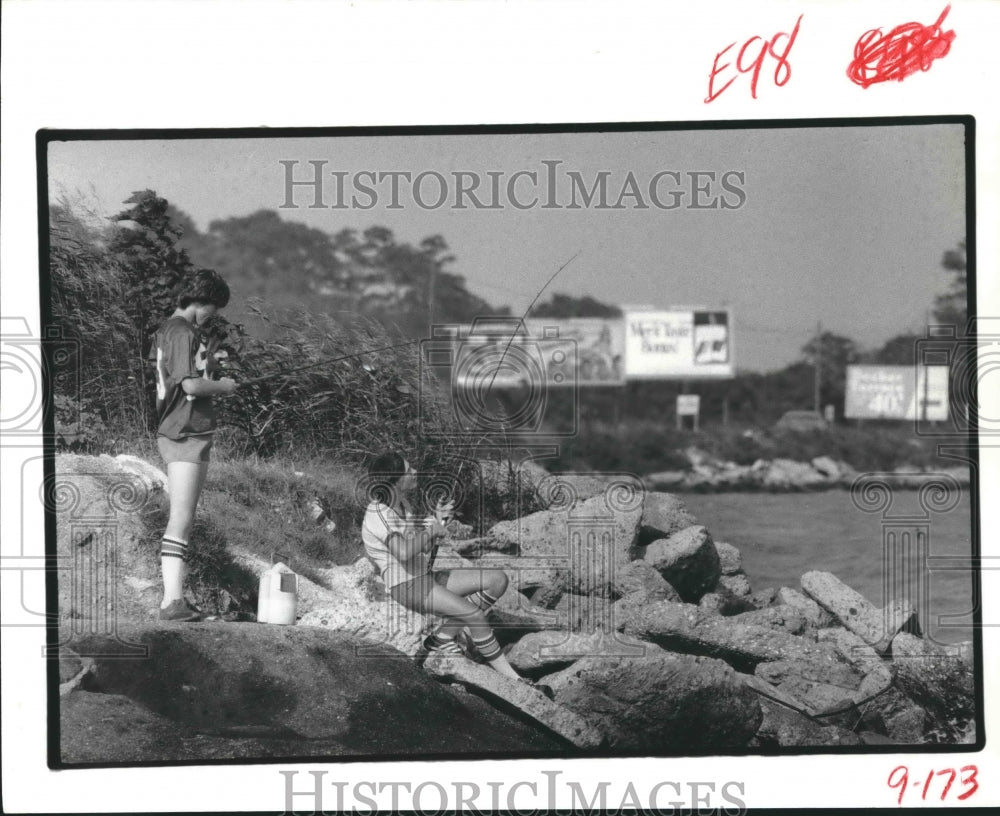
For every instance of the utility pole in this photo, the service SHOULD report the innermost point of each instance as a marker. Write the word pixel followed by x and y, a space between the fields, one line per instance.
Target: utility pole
pixel 927 321
pixel 818 359
pixel 430 300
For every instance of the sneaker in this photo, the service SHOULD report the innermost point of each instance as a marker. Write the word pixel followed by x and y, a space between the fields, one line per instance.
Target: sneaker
pixel 179 611
pixel 450 648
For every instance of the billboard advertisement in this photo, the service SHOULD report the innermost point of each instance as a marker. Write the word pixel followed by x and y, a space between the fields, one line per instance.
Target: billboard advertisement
pixel 512 353
pixel 897 392
pixel 673 345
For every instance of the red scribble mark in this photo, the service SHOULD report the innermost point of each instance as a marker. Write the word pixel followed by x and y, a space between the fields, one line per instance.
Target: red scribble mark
pixel 782 71
pixel 906 49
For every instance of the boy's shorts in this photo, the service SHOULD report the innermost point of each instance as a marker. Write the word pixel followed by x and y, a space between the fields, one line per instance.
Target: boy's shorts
pixel 413 593
pixel 194 449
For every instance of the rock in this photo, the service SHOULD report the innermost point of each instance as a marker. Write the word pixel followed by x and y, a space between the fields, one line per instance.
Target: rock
pixel 511 693
pixel 784 728
pixel 821 685
pixel 783 617
pixel 738 585
pixel 786 474
pixel 660 701
pixel 874 626
pixel 101 541
pixel 514 615
pixel 826 466
pixel 70 665
pixel 584 544
pixel 665 480
pixel 642 577
pixel 563 490
pixel 687 560
pixel 904 721
pixel 545 652
pixel 725 602
pixel 302 690
pixel 153 478
pixel 852 649
pixel 815 616
pixel 585 614
pixel 114 728
pixel 763 597
pixel 730 558
pixel 662 516
pixel 686 628
pixel 355 603
pixel 943 684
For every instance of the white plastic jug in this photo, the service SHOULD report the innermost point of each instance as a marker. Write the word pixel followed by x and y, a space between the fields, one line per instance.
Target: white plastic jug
pixel 277 595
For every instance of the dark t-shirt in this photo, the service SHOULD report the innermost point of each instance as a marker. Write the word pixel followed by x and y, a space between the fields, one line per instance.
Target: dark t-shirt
pixel 180 354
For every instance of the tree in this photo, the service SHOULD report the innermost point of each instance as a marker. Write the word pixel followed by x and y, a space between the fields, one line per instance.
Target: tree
pixel 145 247
pixel 899 350
pixel 951 308
pixel 832 353
pixel 562 305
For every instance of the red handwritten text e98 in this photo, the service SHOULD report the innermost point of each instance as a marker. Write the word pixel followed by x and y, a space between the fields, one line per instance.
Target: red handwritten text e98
pixel 750 60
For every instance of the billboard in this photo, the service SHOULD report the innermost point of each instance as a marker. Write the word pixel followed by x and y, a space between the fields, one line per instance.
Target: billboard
pixel 897 392
pixel 673 345
pixel 508 352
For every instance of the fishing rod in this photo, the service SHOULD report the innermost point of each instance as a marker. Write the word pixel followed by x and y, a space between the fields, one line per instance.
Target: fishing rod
pixel 531 305
pixel 324 361
pixel 403 388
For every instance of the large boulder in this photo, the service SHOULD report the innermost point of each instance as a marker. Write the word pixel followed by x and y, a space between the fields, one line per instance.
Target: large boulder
pixel 815 616
pixel 820 685
pixel 787 474
pixel 686 628
pixel 516 696
pixel 109 560
pixel 662 516
pixel 660 702
pixel 640 578
pixel 583 544
pixel 545 652
pixel 687 560
pixel 559 490
pixel 300 690
pixel 873 625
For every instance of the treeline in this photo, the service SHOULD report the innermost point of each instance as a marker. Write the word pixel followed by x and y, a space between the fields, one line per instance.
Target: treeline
pixel 322 385
pixel 302 296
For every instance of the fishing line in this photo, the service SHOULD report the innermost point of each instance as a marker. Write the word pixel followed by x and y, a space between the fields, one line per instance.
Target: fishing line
pixel 531 305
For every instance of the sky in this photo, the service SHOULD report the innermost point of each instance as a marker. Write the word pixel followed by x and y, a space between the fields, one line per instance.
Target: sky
pixel 839 226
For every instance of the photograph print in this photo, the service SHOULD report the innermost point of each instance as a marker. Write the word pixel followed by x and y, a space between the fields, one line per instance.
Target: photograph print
pixel 507 442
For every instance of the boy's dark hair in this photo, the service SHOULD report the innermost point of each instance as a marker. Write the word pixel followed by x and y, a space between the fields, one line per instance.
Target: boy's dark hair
pixel 388 468
pixel 204 286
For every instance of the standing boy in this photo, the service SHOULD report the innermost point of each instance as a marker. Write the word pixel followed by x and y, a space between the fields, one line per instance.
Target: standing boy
pixel 186 415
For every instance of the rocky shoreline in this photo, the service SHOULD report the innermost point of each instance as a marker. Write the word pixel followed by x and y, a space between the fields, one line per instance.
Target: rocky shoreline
pixel 645 628
pixel 708 474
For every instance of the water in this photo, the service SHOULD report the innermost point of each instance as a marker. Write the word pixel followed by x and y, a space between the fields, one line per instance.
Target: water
pixel 783 535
